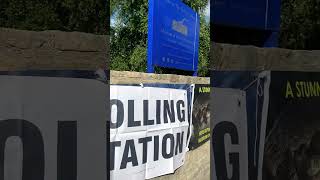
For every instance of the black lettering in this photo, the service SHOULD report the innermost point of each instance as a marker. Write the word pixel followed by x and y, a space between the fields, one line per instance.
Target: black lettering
pixel 146 120
pixel 168 110
pixel 125 158
pixel 219 151
pixel 179 144
pixel 164 146
pixel 158 110
pixel 67 150
pixel 33 147
pixel 156 148
pixel 144 142
pixel 131 122
pixel 120 113
pixel 113 146
pixel 181 112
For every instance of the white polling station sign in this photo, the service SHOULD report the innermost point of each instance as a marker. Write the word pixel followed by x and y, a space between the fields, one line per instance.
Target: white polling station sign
pixel 229 151
pixel 149 127
pixel 52 128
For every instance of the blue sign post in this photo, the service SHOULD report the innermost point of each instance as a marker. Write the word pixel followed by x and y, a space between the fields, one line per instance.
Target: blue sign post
pixel 173 36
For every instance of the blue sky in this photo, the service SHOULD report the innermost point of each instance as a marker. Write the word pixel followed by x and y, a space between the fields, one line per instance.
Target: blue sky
pixel 112 21
pixel 207 12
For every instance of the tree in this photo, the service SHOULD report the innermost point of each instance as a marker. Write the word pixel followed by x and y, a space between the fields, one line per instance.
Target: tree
pixel 129 35
pixel 300 24
pixel 90 16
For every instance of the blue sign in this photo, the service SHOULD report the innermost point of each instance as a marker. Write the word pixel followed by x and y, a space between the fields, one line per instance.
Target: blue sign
pixel 255 14
pixel 246 22
pixel 173 36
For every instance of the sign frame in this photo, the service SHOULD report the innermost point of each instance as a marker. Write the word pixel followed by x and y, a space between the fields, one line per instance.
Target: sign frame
pixel 155 52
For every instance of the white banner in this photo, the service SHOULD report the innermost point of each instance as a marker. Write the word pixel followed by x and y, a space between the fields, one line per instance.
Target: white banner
pixel 149 127
pixel 52 128
pixel 240 111
pixel 229 139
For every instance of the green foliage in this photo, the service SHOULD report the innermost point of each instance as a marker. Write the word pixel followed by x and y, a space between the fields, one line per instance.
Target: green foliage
pixel 300 24
pixel 129 36
pixel 204 48
pixel 90 16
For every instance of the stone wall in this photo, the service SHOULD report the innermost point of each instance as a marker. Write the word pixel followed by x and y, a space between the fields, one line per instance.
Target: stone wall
pixel 196 166
pixel 124 77
pixel 23 50
pixel 235 57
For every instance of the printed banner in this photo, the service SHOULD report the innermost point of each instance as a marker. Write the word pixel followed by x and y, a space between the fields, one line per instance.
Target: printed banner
pixel 230 119
pixel 283 111
pixel 292 141
pixel 240 106
pixel 200 116
pixel 52 126
pixel 149 130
